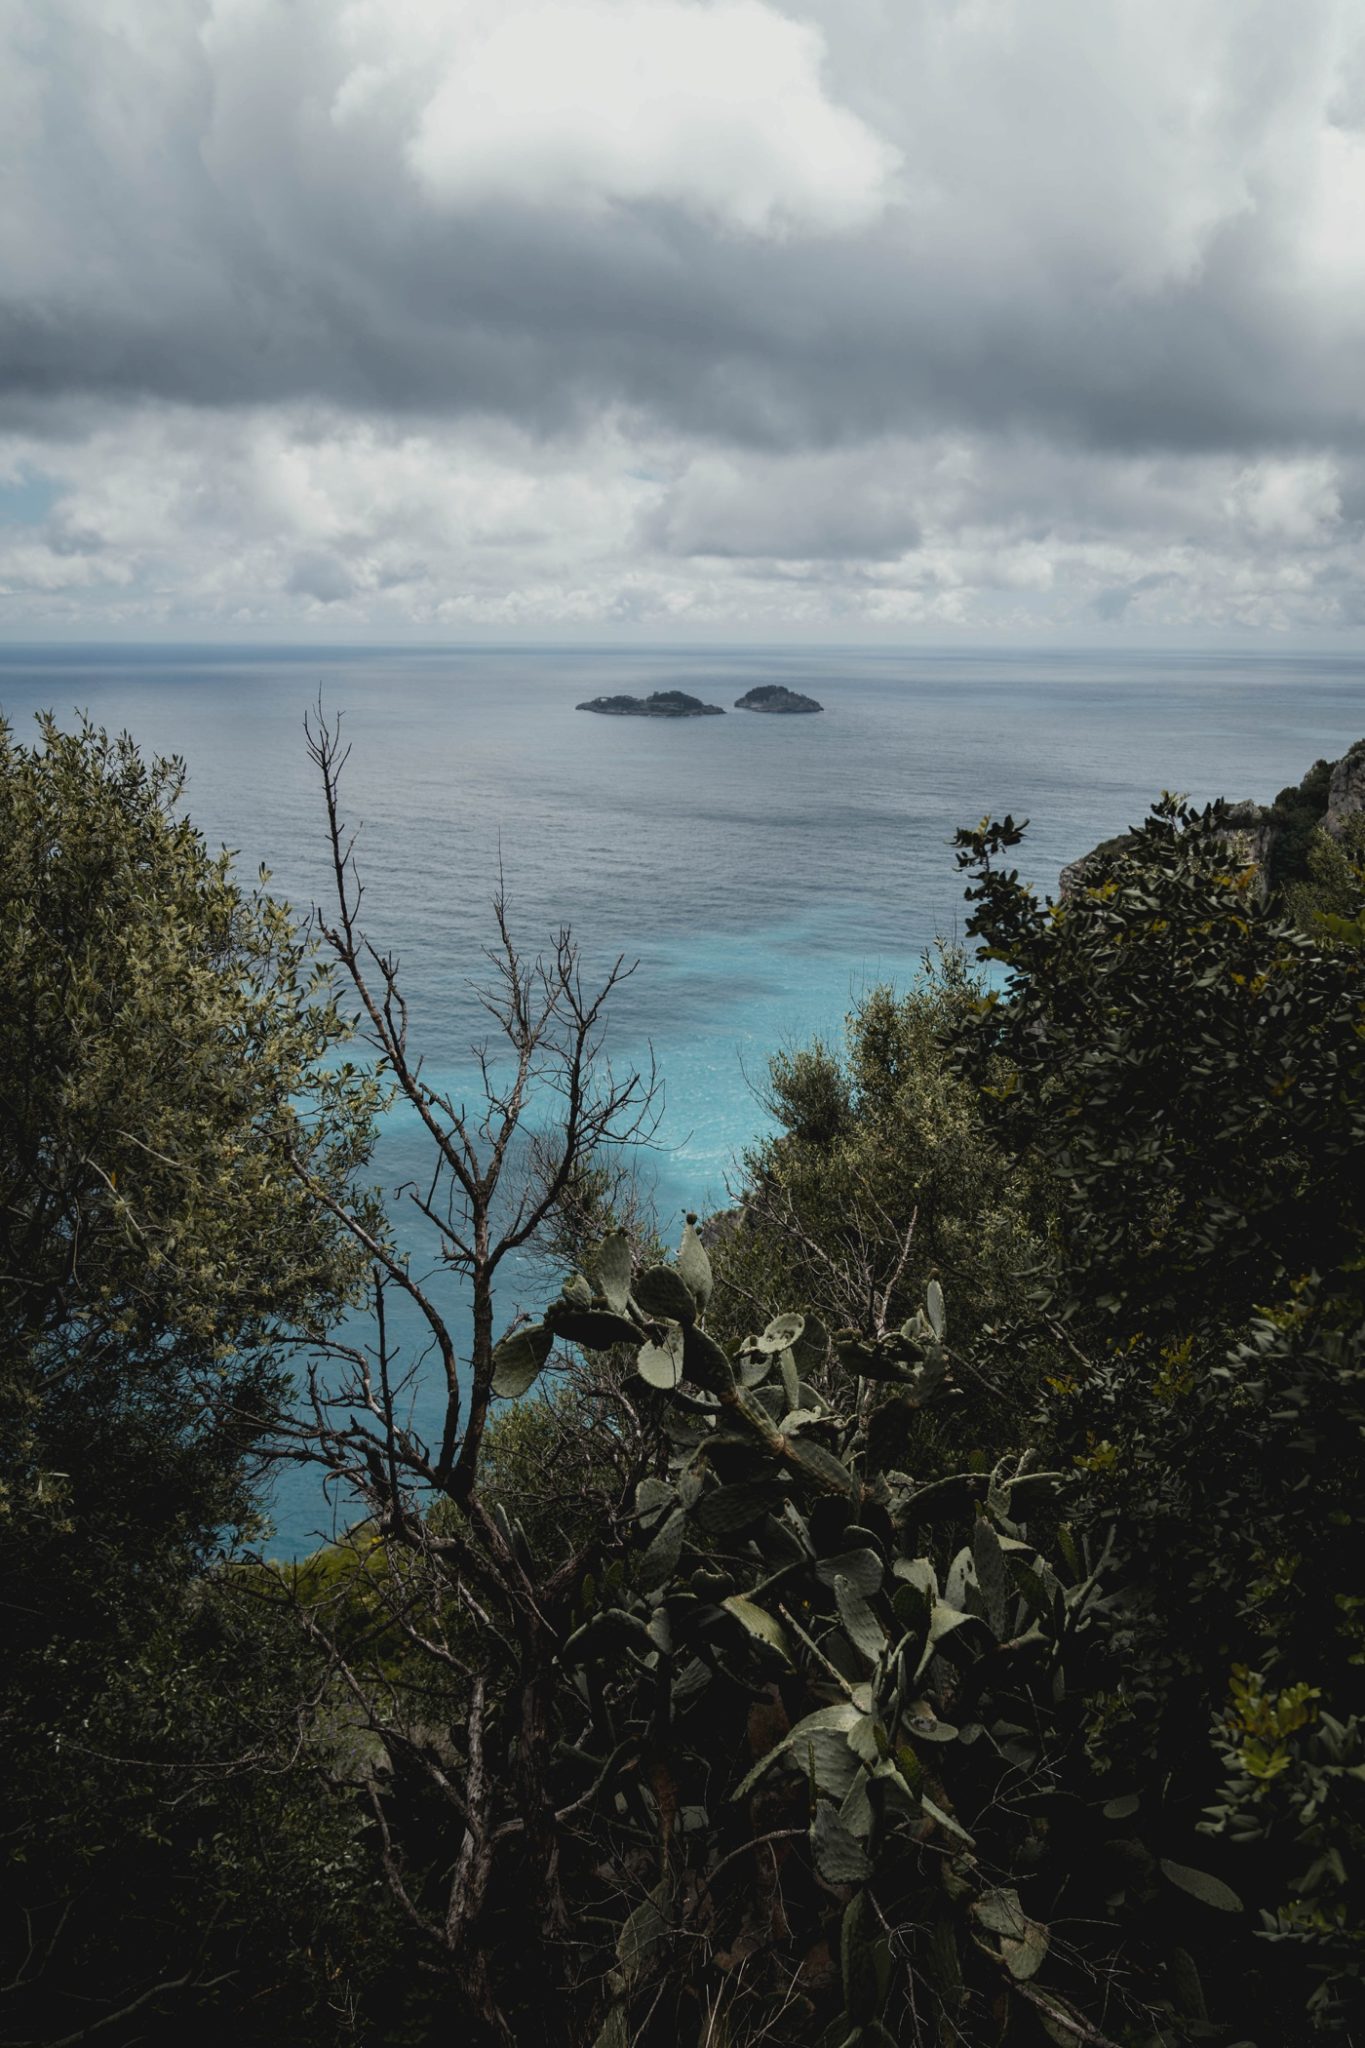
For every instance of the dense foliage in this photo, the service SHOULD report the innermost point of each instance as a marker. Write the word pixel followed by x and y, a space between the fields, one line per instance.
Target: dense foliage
pixel 1188 1066
pixel 884 1173
pixel 163 1054
pixel 924 1609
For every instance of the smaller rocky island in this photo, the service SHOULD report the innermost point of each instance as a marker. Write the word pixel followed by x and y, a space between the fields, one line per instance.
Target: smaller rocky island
pixel 661 704
pixel 775 697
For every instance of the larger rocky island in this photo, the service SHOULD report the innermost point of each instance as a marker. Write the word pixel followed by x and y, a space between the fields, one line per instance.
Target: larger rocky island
pixel 661 704
pixel 775 697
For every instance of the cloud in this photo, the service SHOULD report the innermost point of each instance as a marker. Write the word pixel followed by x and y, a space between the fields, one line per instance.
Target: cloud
pixel 577 105
pixel 308 519
pixel 845 504
pixel 964 311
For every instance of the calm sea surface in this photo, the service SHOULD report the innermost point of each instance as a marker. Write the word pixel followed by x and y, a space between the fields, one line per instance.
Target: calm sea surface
pixel 763 871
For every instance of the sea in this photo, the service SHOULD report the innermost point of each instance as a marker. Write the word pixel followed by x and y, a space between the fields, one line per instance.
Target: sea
pixel 759 874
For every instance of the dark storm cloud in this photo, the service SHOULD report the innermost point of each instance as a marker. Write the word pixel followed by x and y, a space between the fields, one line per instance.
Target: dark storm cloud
pixel 199 224
pixel 776 347
pixel 528 312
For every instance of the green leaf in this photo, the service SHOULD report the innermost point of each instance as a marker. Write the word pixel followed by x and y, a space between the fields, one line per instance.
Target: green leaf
pixel 611 1270
pixel 944 1619
pixel 838 1719
pixel 653 1496
pixel 705 1363
pixel 596 1329
pixel 754 1367
pixel 724 1510
pixel 830 1764
pixel 855 1808
pixel 662 1292
pixel 1000 1912
pixel 961 1577
pixel 1122 1808
pixel 933 1305
pixel 781 1334
pixel 858 1959
pixel 659 1560
pixel 822 1466
pixel 661 1365
pixel 839 1856
pixel 1022 1943
pixel 1024 1958
pixel 862 1569
pixel 861 1625
pixel 694 1266
pixel 811 1348
pixel 992 1576
pixel 759 1623
pixel 1187 1993
pixel 1210 1891
pixel 925 1726
pixel 607 1633
pixel 791 1379
pixel 518 1358
pixel 945 1820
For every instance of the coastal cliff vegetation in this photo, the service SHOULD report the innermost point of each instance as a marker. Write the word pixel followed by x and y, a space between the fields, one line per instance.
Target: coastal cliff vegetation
pixel 920 1606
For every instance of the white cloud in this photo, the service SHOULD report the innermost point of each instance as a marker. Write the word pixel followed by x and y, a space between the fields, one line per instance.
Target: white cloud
pixel 713 106
pixel 307 521
pixel 1289 502
pixel 1332 238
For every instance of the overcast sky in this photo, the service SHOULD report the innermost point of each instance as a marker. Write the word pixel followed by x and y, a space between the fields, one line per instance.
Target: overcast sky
pixel 895 319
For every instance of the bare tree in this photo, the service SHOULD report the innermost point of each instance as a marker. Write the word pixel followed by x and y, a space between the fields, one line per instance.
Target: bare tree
pixel 452 1579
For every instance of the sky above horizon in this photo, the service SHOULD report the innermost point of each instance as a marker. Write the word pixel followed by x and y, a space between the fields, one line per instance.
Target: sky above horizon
pixel 856 320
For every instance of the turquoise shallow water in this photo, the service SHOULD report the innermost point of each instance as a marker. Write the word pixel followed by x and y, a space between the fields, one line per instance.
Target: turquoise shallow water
pixel 761 870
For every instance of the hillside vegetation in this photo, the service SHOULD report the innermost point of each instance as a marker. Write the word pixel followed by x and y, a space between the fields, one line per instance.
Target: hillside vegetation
pixel 921 1608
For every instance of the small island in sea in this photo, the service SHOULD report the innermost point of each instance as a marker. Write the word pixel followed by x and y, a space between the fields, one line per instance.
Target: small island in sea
pixel 775 697
pixel 661 704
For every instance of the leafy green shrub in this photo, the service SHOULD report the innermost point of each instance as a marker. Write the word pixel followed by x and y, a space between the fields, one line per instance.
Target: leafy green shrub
pixel 824 1726
pixel 1189 1069
pixel 882 1175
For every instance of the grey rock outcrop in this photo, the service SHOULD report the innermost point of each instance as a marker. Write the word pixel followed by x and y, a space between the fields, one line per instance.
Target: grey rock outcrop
pixel 1251 829
pixel 1273 838
pixel 1346 791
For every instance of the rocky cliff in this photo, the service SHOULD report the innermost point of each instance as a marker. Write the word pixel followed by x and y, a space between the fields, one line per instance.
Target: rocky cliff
pixel 1275 837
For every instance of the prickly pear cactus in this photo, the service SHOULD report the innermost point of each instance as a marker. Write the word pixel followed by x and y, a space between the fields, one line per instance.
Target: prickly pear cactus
pixel 823 1739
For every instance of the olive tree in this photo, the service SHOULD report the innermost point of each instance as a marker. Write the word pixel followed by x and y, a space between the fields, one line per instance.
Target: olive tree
pixel 168 1049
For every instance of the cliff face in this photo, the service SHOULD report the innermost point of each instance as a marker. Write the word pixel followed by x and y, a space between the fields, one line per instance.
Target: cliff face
pixel 1275 838
pixel 1346 791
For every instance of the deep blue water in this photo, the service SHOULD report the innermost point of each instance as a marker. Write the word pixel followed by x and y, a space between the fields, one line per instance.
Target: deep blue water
pixel 761 870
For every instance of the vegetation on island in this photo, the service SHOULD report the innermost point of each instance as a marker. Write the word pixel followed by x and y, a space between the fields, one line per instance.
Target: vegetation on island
pixel 922 1608
pixel 776 697
pixel 659 704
